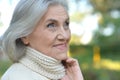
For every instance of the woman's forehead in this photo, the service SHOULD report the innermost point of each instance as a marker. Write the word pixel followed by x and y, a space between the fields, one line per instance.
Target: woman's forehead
pixel 56 12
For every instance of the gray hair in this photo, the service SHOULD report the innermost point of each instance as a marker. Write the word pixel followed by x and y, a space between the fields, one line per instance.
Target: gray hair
pixel 25 17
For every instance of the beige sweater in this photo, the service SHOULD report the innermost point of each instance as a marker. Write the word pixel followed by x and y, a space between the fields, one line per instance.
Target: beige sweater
pixel 35 66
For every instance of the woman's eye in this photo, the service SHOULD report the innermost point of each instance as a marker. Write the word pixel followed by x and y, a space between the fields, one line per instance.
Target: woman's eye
pixel 66 25
pixel 51 25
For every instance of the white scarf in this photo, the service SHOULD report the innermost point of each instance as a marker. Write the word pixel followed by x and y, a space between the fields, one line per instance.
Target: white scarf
pixel 43 65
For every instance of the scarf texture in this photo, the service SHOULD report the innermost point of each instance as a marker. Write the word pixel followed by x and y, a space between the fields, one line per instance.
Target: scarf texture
pixel 43 65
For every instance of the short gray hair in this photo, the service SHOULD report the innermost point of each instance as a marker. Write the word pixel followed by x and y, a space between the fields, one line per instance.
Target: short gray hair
pixel 25 17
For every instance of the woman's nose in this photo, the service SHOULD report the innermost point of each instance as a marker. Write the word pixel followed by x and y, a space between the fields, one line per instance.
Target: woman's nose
pixel 61 36
pixel 64 35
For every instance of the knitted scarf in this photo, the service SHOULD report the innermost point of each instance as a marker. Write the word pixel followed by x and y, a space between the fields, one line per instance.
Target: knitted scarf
pixel 43 65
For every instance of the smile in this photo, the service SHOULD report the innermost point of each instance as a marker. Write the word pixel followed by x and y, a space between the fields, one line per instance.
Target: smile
pixel 61 46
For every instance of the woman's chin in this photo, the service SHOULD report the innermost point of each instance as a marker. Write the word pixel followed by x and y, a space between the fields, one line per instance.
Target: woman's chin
pixel 61 58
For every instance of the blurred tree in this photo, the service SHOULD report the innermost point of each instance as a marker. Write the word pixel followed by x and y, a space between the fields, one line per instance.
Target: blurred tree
pixel 105 5
pixel 77 16
pixel 107 35
pixel 106 38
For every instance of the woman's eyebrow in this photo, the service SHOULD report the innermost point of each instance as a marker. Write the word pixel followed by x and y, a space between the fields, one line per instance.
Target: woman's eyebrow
pixel 54 20
pixel 51 20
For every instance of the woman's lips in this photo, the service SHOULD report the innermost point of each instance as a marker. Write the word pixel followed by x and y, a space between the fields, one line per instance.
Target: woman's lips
pixel 61 46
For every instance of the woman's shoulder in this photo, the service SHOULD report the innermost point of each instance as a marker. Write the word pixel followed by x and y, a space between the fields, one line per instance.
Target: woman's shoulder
pixel 19 72
pixel 16 71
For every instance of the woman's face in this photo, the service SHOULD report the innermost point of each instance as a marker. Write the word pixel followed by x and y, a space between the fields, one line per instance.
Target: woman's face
pixel 52 34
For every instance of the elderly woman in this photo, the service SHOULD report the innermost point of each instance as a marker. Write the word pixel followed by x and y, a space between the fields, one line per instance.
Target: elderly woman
pixel 37 41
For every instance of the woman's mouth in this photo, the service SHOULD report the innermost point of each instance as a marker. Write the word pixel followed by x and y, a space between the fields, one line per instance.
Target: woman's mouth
pixel 61 47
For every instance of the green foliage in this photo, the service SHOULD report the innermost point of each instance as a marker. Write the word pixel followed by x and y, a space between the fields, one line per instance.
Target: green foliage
pixel 4 66
pixel 84 54
pixel 77 17
pixel 104 6
pixel 109 45
pixel 100 74
pixel 75 39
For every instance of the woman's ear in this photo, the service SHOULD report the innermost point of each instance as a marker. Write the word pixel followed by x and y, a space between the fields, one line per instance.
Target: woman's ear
pixel 25 40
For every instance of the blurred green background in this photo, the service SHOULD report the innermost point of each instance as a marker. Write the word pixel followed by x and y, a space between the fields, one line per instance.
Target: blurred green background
pixel 95 41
